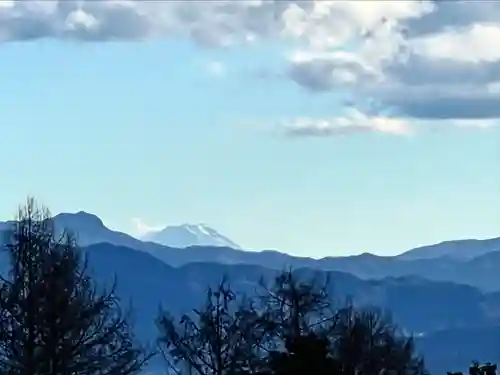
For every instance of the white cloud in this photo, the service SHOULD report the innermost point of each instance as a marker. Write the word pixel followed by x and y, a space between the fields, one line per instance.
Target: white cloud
pixel 212 23
pixel 416 58
pixel 344 24
pixel 427 60
pixel 353 123
pixel 141 228
pixel 475 43
pixel 356 122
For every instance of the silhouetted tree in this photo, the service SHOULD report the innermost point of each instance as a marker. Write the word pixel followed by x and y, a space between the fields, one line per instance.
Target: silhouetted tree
pixel 489 368
pixel 296 308
pixel 220 339
pixel 308 353
pixel 53 320
pixel 299 318
pixel 309 331
pixel 290 329
pixel 365 341
pixel 486 369
pixel 477 369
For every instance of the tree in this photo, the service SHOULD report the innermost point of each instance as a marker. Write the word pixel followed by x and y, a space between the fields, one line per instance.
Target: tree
pixel 220 339
pixel 53 319
pixel 486 369
pixel 477 369
pixel 299 318
pixel 290 329
pixel 296 308
pixel 308 353
pixel 365 341
pixel 309 331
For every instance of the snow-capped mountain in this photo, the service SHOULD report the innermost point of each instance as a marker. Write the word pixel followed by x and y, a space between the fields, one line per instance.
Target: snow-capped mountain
pixel 187 235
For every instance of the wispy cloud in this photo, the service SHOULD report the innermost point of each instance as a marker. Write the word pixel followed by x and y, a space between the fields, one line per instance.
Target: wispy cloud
pixel 141 228
pixel 354 123
pixel 475 123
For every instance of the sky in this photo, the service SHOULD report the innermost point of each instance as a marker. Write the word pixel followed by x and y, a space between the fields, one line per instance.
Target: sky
pixel 315 128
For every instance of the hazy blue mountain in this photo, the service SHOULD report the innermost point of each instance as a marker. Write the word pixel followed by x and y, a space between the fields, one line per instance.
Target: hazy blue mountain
pixel 458 322
pixel 426 294
pixel 441 311
pixel 480 271
pixel 188 235
pixel 417 304
pixel 454 349
pixel 90 230
pixel 461 249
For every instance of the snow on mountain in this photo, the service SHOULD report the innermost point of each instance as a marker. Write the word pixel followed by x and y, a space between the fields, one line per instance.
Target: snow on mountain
pixel 187 235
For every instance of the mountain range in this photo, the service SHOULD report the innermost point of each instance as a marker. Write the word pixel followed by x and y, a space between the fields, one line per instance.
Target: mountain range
pixel 471 262
pixel 445 293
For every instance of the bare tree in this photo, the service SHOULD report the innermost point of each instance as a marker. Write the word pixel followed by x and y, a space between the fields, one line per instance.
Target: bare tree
pixel 296 307
pixel 220 339
pixel 367 342
pixel 298 317
pixel 53 319
pixel 293 329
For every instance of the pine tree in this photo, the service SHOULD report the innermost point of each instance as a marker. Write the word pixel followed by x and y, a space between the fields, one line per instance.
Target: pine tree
pixel 53 318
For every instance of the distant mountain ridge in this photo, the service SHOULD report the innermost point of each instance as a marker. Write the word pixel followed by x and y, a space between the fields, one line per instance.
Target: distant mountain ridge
pixel 418 305
pixel 435 297
pixel 480 271
pixel 187 235
pixel 459 249
pixel 91 229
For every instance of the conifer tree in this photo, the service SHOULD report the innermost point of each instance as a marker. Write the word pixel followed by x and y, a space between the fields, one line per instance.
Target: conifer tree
pixel 53 317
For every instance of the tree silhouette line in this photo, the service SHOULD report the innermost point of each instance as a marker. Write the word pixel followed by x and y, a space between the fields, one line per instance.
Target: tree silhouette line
pixel 55 320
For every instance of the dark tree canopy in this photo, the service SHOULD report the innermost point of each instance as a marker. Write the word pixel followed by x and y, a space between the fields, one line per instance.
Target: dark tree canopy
pixel 53 318
pixel 478 369
pixel 317 335
pixel 367 342
pixel 290 329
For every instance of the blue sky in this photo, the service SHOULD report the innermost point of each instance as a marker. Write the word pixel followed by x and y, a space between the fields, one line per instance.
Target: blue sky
pixel 247 137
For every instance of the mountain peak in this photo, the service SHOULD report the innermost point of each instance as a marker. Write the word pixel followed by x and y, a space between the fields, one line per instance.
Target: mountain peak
pixel 79 219
pixel 187 235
